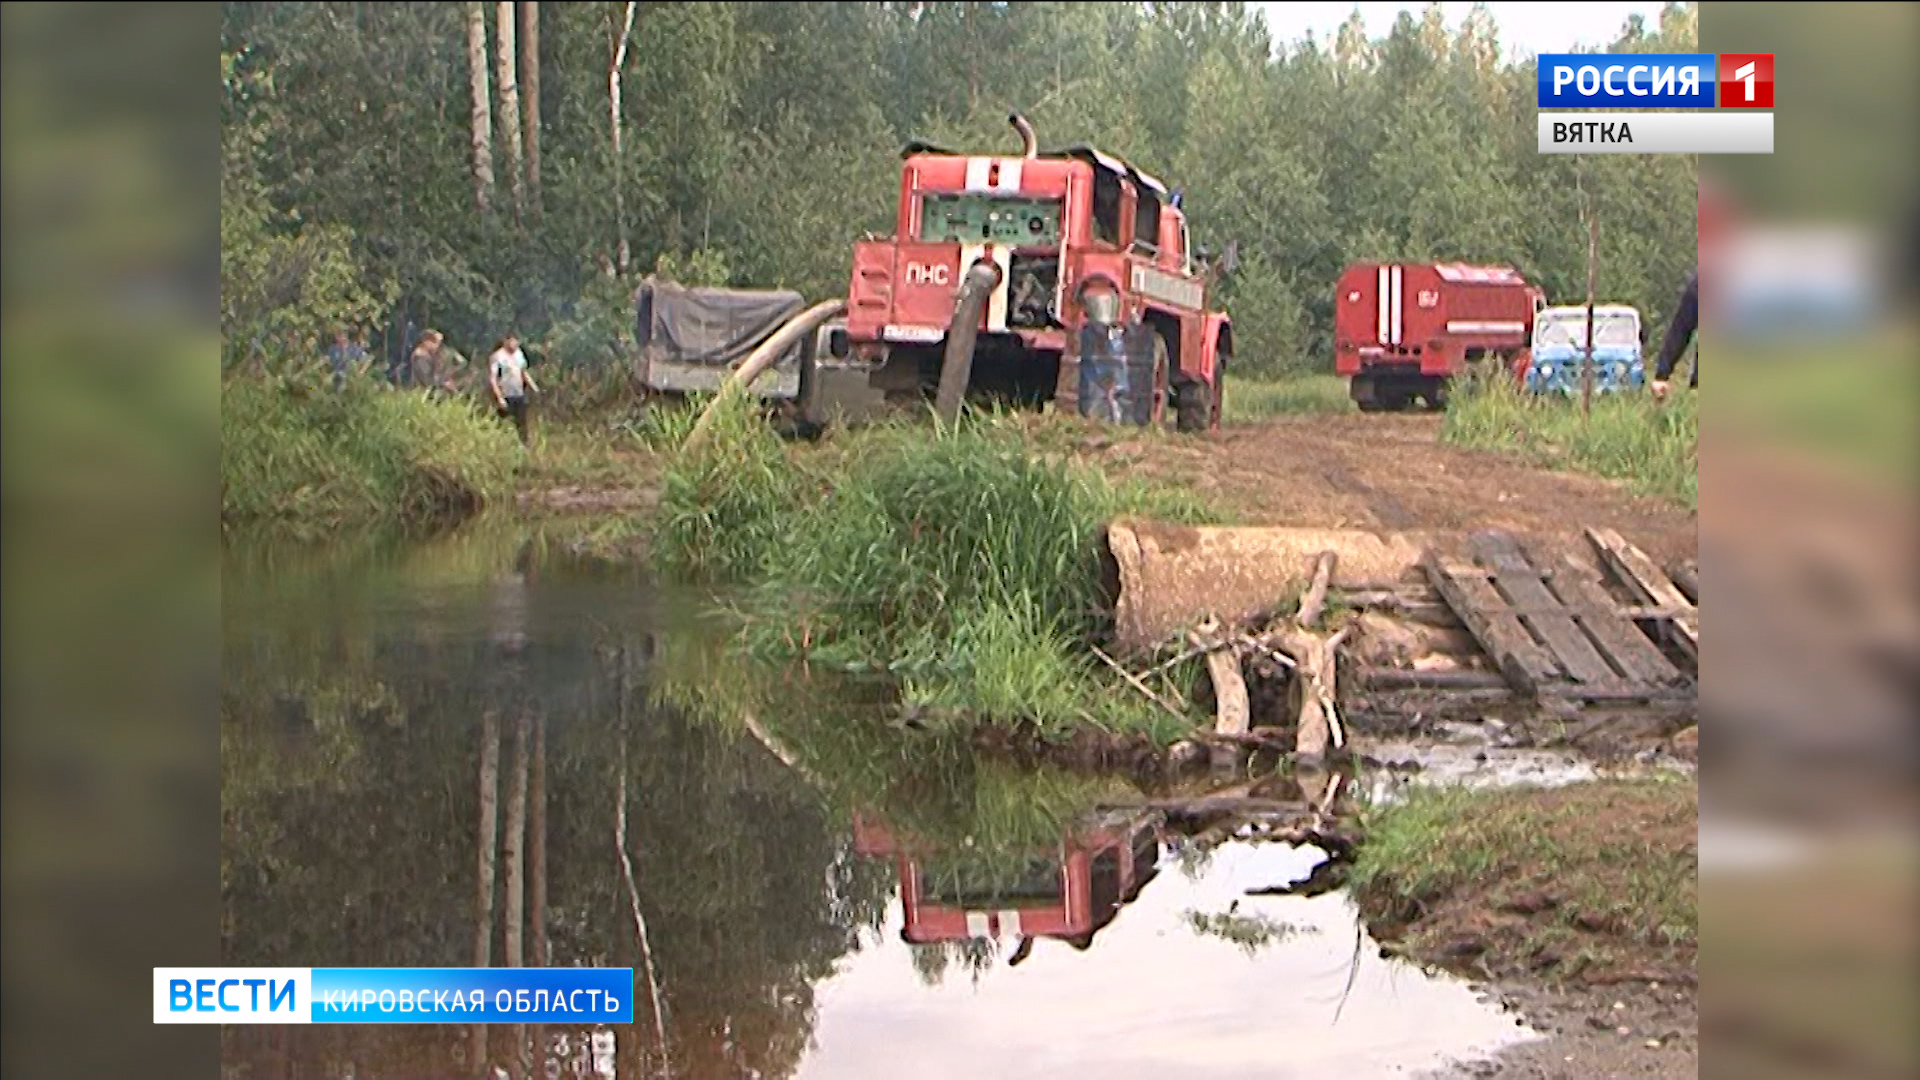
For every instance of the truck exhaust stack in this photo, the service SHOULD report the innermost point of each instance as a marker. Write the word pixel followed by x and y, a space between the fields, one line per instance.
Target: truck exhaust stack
pixel 1029 146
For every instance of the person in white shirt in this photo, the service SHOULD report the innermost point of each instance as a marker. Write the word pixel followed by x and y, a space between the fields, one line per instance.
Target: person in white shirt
pixel 508 378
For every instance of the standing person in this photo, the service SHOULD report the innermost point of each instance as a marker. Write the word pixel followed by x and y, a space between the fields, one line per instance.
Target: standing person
pixel 342 355
pixel 508 378
pixel 1679 334
pixel 427 367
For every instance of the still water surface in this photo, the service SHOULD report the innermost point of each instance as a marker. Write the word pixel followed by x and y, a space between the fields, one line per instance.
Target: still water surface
pixel 819 896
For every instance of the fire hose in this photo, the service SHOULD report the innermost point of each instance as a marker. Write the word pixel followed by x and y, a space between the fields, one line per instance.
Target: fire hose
pixel 763 358
pixel 956 368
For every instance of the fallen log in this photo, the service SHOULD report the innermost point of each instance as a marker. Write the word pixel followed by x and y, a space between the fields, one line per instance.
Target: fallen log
pixel 1212 805
pixel 1318 726
pixel 1233 712
pixel 1257 738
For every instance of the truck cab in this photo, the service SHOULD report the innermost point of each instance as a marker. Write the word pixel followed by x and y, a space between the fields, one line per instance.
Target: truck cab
pixel 1558 353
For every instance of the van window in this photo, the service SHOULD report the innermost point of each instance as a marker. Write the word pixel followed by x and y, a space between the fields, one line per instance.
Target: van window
pixel 1571 329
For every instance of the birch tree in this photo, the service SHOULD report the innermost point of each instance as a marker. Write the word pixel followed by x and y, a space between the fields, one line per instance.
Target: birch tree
pixel 482 114
pixel 507 53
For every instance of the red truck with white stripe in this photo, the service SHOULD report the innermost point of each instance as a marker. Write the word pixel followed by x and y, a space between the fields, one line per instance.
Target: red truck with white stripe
pixel 1049 224
pixel 1069 892
pixel 1405 330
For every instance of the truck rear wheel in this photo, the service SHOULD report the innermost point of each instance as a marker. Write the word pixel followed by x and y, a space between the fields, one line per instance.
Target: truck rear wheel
pixel 1194 408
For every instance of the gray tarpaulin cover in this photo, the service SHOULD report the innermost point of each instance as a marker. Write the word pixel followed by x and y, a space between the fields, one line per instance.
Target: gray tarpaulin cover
pixel 690 339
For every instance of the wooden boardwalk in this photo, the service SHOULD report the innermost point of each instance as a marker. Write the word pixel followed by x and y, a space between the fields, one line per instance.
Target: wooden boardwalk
pixel 1553 629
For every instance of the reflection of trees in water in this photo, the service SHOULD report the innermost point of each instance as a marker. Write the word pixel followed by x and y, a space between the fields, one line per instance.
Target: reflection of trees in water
pixel 1250 932
pixel 973 957
pixel 350 833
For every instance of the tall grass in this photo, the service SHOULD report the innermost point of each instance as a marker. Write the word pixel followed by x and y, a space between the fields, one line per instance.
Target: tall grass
pixel 1630 437
pixel 315 459
pixel 1249 400
pixel 954 563
pixel 725 509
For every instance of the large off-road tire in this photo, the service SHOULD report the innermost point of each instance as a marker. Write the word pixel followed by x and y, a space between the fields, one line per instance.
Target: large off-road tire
pixel 1220 365
pixel 1194 408
pixel 1152 405
pixel 1384 394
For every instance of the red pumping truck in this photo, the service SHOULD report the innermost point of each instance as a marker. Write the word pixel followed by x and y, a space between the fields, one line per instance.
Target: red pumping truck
pixel 1406 330
pixel 1059 277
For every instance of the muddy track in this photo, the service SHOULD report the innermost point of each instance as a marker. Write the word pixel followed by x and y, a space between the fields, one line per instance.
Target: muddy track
pixel 1393 473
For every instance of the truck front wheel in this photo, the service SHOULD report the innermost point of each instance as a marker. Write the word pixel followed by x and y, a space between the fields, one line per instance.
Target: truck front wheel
pixel 1194 406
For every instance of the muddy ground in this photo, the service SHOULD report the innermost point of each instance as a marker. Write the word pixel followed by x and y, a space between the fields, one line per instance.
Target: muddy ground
pixel 1390 473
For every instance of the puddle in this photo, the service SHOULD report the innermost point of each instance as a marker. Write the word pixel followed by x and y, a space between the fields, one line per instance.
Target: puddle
pixel 1164 990
pixel 1481 765
pixel 358 699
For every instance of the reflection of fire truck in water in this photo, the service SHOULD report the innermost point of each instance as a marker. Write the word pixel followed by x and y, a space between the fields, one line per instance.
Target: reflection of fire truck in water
pixel 1070 892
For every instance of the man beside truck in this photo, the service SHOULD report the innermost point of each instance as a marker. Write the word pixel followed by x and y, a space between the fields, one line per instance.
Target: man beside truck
pixel 1680 332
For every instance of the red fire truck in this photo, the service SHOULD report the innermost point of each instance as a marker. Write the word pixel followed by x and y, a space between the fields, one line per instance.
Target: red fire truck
pixel 1069 893
pixel 1403 331
pixel 1057 241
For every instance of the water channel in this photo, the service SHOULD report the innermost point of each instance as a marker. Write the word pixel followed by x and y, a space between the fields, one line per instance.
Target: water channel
pixel 802 889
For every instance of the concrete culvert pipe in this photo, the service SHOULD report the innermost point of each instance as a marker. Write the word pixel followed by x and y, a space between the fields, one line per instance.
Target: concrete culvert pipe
pixel 1164 579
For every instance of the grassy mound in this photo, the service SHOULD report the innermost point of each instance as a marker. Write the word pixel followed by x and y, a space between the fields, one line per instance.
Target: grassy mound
pixel 312 459
pixel 954 563
pixel 1651 445
pixel 1589 882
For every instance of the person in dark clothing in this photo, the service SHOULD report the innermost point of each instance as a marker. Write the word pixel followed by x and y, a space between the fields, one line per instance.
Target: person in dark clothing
pixel 1679 335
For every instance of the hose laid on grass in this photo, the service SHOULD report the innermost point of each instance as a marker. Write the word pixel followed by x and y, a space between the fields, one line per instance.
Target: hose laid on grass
pixel 761 359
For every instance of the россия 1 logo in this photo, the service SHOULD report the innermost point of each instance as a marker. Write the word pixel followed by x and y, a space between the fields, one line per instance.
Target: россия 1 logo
pixel 1656 103
pixel 1627 80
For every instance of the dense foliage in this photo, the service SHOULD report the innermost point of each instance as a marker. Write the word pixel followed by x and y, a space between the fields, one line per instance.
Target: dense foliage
pixel 758 140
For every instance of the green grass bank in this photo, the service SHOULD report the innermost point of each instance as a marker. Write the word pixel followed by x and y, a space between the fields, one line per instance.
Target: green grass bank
pixel 1588 882
pixel 312 460
pixel 1652 446
pixel 955 564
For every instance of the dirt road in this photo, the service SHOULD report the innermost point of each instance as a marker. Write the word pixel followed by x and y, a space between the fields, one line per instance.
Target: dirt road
pixel 1391 473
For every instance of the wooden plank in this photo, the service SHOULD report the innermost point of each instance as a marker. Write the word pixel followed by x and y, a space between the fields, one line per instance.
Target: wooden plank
pixel 1522 584
pixel 1627 648
pixel 1527 664
pixel 1649 585
pixel 1383 678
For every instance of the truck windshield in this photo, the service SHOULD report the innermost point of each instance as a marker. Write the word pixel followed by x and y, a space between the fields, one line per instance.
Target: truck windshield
pixel 1608 330
pixel 989 219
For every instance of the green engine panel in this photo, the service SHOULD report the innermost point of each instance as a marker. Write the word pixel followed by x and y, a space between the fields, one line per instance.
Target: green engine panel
pixel 990 219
